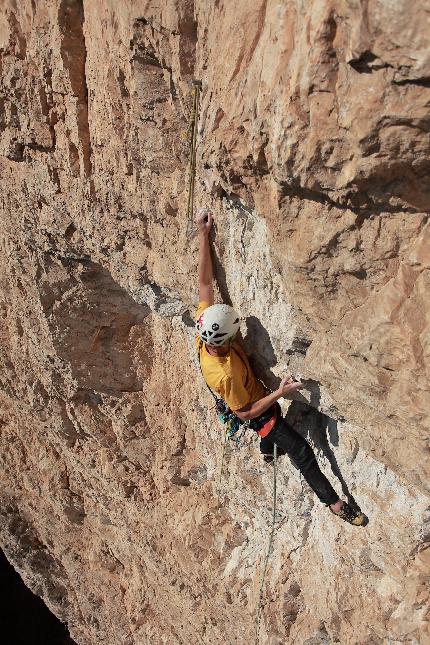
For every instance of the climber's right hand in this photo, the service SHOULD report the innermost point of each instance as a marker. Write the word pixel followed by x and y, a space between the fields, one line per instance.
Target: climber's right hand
pixel 289 386
pixel 203 220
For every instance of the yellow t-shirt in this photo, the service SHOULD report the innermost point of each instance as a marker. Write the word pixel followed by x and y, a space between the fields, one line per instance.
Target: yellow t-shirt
pixel 230 376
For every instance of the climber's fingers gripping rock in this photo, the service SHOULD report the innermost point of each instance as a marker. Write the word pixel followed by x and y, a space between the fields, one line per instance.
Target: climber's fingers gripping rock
pixel 204 220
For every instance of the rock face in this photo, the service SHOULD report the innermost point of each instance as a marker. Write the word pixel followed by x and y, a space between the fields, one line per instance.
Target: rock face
pixel 313 153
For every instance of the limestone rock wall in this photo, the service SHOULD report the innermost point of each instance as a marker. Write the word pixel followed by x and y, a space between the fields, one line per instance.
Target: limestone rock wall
pixel 313 153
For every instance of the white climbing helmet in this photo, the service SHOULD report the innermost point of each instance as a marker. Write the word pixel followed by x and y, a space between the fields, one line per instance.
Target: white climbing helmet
pixel 217 324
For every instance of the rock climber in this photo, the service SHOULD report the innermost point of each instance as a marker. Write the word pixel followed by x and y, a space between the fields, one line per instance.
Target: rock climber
pixel 227 372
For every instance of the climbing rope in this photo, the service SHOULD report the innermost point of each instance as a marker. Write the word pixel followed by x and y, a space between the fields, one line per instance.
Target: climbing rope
pixel 221 470
pixel 194 119
pixel 272 533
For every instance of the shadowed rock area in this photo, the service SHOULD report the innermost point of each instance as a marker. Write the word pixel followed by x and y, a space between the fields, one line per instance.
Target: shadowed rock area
pixel 313 153
pixel 24 617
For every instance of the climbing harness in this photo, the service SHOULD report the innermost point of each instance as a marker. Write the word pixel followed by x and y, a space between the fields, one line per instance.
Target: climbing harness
pixel 265 422
pixel 269 548
pixel 194 119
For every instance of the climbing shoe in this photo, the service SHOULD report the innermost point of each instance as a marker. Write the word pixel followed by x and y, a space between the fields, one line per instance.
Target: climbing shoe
pixel 350 515
pixel 268 459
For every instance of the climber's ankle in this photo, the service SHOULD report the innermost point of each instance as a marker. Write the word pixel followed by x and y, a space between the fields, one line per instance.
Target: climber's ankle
pixel 336 506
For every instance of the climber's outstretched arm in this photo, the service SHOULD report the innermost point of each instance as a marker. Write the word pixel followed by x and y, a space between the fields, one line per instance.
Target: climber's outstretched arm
pixel 204 223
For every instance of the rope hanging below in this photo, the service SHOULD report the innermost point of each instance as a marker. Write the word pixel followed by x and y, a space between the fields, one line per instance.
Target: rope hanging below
pixel 221 470
pixel 194 119
pixel 266 561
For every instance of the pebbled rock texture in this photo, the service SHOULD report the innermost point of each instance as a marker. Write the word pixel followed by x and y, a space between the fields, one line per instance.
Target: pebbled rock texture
pixel 313 152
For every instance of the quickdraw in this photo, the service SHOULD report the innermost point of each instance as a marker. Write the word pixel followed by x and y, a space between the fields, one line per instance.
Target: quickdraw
pixel 231 422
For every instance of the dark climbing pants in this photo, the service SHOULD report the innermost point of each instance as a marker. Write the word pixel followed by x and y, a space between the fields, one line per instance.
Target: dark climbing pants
pixel 290 442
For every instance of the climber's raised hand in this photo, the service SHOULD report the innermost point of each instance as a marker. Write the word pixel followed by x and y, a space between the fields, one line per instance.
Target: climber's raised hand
pixel 203 220
pixel 289 386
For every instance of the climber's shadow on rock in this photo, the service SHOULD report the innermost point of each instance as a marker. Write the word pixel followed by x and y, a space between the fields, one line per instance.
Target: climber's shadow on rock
pixel 260 352
pixel 305 417
pixel 321 430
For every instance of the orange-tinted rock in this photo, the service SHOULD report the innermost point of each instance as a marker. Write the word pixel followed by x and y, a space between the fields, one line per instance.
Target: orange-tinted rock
pixel 313 153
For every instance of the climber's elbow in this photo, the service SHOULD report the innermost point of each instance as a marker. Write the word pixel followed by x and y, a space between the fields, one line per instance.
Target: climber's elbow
pixel 244 414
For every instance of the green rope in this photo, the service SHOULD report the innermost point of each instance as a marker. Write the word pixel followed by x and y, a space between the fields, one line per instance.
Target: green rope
pixel 221 471
pixel 272 533
pixel 193 129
